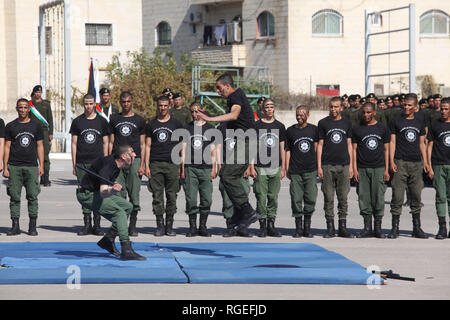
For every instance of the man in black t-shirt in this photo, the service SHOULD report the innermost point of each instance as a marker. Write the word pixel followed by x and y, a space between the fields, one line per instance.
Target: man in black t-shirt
pixel 224 149
pixel 407 160
pixel 371 168
pixel 335 166
pixel 89 142
pixel 301 168
pixel 438 153
pixel 23 148
pixel 239 116
pixel 269 168
pixel 198 168
pixel 162 172
pixel 128 128
pixel 99 191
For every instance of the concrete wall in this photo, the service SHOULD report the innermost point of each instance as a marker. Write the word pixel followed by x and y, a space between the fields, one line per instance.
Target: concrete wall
pixel 340 60
pixel 299 61
pixel 19 48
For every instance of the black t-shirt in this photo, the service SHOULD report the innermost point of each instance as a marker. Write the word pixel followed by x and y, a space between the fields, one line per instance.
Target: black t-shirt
pixel 300 142
pixel 2 129
pixel 105 167
pixel 422 116
pixel 335 134
pixel 24 138
pixel 161 135
pixel 370 141
pixel 270 135
pixel 128 131
pixel 228 142
pixel 90 135
pixel 196 145
pixel 407 141
pixel 246 119
pixel 439 133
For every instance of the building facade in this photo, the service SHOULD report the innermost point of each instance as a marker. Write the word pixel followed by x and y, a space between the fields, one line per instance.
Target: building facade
pixel 309 46
pixel 98 29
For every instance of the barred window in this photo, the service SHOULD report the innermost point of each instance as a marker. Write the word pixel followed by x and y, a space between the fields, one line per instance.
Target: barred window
pixel 48 40
pixel 98 34
pixel 266 25
pixel 327 22
pixel 435 23
pixel 163 34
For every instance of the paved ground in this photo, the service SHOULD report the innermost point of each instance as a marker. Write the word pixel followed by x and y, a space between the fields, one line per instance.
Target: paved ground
pixel 426 260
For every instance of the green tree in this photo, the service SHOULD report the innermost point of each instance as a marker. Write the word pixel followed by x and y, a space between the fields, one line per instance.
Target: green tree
pixel 146 77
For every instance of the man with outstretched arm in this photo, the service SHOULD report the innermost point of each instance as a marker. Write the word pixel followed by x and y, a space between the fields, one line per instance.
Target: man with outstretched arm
pixel 239 115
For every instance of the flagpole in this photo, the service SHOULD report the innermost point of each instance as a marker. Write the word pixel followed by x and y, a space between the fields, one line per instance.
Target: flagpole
pixel 67 74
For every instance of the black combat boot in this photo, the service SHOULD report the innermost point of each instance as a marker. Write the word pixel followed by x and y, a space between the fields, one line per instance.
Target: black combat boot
pixel 331 231
pixel 160 228
pixel 132 232
pixel 271 230
pixel 244 216
pixel 169 226
pixel 243 232
pixel 128 252
pixel 96 230
pixel 307 226
pixel 298 227
pixel 203 230
pixel 367 232
pixel 108 242
pixel 231 232
pixel 262 228
pixel 192 225
pixel 343 232
pixel 15 229
pixel 377 227
pixel 417 231
pixel 87 229
pixel 32 227
pixel 442 233
pixel 395 225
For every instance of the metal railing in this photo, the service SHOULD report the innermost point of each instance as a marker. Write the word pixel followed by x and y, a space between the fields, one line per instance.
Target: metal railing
pixel 241 76
pixel 411 50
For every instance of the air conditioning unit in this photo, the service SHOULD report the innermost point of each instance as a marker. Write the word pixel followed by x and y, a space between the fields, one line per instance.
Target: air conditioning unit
pixel 196 17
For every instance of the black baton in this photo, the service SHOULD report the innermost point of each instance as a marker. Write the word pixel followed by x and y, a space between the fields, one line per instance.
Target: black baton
pixel 95 175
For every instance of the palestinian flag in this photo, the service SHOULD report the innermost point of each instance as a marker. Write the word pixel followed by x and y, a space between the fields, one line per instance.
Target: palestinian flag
pixel 37 114
pixel 93 88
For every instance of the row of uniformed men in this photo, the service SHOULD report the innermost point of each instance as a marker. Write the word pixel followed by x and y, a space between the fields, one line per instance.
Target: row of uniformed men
pixel 303 167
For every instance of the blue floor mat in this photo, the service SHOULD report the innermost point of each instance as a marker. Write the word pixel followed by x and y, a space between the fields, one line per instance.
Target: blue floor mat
pixel 33 263
pixel 265 263
pixel 49 263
